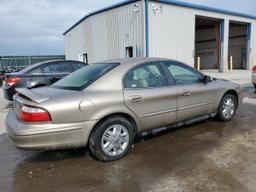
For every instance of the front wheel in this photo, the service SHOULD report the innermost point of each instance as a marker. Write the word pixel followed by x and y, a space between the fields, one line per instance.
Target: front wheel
pixel 227 107
pixel 112 139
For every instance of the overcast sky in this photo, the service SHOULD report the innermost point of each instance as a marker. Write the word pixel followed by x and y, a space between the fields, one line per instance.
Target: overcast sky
pixel 35 27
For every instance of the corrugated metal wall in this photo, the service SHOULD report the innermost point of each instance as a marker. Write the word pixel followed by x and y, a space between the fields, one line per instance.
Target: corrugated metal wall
pixel 105 35
pixel 172 32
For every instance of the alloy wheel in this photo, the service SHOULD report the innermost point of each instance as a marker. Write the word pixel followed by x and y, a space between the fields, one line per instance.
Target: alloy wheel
pixel 115 140
pixel 228 108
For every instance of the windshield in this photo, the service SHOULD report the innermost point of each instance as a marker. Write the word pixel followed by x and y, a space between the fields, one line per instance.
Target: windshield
pixel 83 77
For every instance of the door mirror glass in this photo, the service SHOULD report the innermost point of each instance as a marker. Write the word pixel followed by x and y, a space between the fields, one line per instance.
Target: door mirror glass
pixel 207 79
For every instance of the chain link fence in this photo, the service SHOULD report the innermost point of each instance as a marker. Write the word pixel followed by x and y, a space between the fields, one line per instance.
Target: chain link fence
pixel 16 63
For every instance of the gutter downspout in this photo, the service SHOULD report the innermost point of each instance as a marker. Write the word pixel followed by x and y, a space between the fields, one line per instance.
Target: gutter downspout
pixel 146 28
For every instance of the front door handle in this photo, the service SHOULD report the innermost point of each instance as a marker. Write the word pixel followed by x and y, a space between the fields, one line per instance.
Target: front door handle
pixel 135 98
pixel 186 93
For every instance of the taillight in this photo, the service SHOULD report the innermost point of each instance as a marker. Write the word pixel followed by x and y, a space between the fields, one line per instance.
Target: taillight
pixel 34 114
pixel 254 69
pixel 12 80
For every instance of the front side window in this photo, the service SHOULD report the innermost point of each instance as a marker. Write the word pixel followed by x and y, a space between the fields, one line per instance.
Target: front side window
pixel 83 77
pixel 145 76
pixel 183 74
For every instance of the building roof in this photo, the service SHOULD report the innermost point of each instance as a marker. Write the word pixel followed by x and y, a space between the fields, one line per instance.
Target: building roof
pixel 207 8
pixel 172 2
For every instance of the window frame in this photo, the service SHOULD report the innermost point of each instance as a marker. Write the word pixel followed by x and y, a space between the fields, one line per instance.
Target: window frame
pixel 169 81
pixel 200 75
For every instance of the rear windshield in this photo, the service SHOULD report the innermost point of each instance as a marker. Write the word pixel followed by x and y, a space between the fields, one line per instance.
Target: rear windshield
pixel 83 77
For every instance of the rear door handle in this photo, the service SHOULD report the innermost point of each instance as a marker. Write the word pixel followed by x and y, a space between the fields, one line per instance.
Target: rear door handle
pixel 186 93
pixel 135 98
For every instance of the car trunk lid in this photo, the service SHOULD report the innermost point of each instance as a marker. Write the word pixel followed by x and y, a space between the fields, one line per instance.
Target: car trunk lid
pixel 31 95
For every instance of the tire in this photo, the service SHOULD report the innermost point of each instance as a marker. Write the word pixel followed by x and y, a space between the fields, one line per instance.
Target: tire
pixel 1 82
pixel 104 135
pixel 229 102
pixel 254 86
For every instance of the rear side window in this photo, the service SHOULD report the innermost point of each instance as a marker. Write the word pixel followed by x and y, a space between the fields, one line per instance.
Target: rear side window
pixel 46 69
pixel 35 71
pixel 77 66
pixel 61 68
pixel 145 76
pixel 83 77
pixel 183 74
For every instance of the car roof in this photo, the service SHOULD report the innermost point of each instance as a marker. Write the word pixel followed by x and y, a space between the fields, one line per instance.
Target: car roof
pixel 133 61
pixel 31 67
pixel 53 61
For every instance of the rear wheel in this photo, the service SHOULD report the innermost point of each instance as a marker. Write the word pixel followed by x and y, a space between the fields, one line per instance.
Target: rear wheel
pixel 227 107
pixel 112 139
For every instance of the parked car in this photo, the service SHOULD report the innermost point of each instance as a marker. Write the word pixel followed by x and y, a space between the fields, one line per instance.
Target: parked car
pixel 254 76
pixel 37 75
pixel 2 72
pixel 106 104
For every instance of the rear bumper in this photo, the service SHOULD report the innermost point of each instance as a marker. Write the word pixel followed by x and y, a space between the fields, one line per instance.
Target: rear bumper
pixel 47 135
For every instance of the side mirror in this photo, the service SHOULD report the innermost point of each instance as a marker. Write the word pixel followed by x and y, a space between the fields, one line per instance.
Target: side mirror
pixel 207 79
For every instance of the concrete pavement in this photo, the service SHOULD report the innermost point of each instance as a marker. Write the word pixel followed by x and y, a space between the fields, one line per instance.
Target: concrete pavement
pixel 242 77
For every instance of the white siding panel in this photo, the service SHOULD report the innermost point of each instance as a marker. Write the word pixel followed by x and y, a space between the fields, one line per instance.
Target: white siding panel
pixel 105 35
pixel 172 32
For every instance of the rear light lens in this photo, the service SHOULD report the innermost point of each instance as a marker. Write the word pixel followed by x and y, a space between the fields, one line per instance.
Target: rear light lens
pixel 34 114
pixel 12 80
pixel 254 69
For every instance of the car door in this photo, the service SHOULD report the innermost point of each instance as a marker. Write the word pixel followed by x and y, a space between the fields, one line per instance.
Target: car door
pixel 195 98
pixel 149 94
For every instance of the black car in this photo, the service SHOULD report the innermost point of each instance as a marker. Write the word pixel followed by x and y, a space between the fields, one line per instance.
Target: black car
pixel 1 77
pixel 37 75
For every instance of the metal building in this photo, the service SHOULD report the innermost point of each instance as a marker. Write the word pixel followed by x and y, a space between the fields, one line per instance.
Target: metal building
pixel 201 36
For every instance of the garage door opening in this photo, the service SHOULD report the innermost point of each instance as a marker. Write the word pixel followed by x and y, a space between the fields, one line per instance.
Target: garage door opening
pixel 237 46
pixel 207 43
